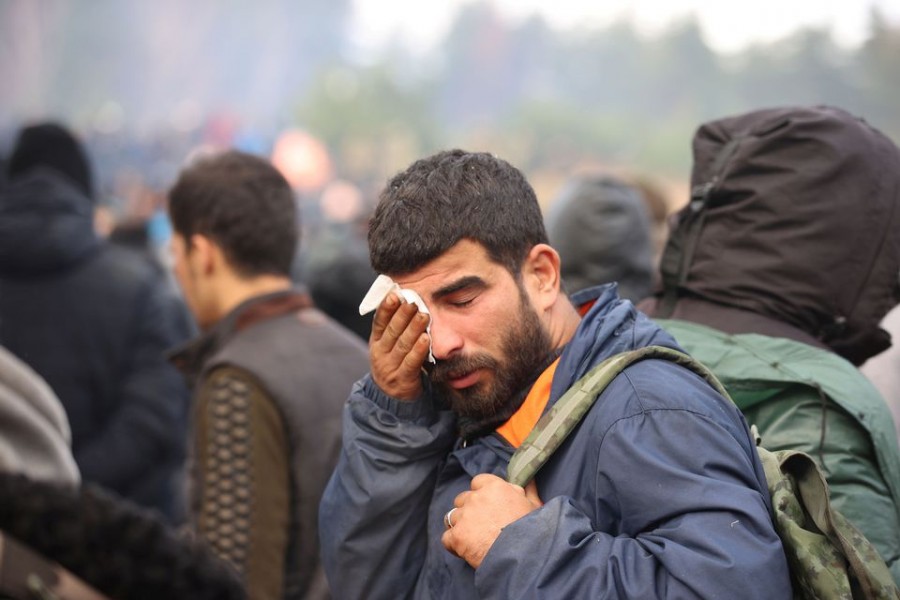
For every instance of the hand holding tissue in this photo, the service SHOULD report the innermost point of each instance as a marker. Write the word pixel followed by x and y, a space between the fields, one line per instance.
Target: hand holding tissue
pixel 383 286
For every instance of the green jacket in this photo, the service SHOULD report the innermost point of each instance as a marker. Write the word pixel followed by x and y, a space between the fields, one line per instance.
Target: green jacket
pixel 805 398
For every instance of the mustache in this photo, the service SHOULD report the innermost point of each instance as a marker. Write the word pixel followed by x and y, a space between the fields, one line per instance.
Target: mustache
pixel 453 368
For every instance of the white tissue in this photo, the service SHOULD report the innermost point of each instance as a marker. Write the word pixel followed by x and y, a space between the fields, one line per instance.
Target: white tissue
pixel 384 285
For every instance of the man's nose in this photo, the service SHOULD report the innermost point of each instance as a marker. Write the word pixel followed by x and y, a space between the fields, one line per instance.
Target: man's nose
pixel 445 340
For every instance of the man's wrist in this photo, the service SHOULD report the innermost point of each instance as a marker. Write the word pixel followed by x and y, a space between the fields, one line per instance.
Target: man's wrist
pixel 405 410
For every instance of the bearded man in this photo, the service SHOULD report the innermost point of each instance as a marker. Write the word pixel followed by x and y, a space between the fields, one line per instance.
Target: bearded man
pixel 658 492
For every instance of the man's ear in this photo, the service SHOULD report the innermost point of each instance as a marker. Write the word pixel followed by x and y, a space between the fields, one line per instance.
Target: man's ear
pixel 541 271
pixel 204 254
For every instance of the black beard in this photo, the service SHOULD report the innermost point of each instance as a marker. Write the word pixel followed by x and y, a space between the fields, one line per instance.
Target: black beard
pixel 527 350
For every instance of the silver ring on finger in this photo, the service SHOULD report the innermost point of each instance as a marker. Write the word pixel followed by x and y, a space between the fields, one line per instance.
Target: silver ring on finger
pixel 448 519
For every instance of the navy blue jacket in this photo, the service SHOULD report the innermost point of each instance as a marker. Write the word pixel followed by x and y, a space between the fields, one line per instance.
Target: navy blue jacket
pixel 94 320
pixel 658 494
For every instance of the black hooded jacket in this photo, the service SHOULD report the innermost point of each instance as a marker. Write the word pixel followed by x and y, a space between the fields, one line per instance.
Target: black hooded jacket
pixel 791 230
pixel 93 319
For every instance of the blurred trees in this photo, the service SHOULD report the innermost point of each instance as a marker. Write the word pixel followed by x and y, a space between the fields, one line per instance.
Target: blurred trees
pixel 554 99
pixel 369 119
pixel 878 67
pixel 547 99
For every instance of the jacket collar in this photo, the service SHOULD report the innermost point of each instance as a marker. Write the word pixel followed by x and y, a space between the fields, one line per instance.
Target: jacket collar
pixel 732 320
pixel 610 325
pixel 190 358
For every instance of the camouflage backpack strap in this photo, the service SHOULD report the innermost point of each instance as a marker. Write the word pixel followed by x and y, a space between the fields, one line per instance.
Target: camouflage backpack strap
pixel 828 556
pixel 26 575
pixel 563 417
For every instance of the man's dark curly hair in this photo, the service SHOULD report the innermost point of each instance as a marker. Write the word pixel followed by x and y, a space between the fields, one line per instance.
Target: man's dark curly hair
pixel 120 549
pixel 450 196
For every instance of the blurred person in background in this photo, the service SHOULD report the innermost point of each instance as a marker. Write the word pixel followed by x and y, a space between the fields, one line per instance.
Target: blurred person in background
pixel 656 200
pixel 883 370
pixel 93 320
pixel 337 285
pixel 35 438
pixel 777 275
pixel 601 229
pixel 63 542
pixel 59 539
pixel 270 374
pixel 335 263
pixel 151 236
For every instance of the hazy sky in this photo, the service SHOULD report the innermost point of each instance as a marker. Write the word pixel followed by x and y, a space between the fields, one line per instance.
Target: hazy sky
pixel 727 25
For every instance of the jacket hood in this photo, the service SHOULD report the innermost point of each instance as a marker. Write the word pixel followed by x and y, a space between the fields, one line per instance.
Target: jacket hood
pixel 46 224
pixel 792 216
pixel 601 230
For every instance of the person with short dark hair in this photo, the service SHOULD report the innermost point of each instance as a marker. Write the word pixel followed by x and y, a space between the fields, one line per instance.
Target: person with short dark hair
pixel 94 320
pixel 658 492
pixel 270 374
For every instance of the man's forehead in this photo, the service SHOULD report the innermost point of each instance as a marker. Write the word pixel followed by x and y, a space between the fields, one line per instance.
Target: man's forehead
pixel 465 264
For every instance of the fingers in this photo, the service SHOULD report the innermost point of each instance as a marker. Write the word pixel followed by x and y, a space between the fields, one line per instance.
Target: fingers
pixel 409 339
pixel 398 347
pixel 383 315
pixel 485 479
pixel 397 325
pixel 447 538
pixel 448 542
pixel 479 515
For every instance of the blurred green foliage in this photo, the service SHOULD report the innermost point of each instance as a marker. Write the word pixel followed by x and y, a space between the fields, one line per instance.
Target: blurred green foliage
pixel 546 99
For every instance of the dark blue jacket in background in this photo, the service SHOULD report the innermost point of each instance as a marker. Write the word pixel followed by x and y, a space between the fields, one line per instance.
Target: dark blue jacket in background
pixel 94 319
pixel 658 494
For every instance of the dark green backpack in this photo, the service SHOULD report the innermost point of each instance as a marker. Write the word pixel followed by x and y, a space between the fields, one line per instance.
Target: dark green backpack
pixel 827 555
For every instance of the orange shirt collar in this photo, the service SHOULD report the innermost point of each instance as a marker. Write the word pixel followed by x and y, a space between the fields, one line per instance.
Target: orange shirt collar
pixel 517 428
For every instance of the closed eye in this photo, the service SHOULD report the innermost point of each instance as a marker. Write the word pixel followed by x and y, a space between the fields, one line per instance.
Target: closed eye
pixel 462 292
pixel 462 303
pixel 462 298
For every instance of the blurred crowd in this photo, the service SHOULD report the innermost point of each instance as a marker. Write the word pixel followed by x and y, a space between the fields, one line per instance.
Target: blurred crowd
pixel 105 461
